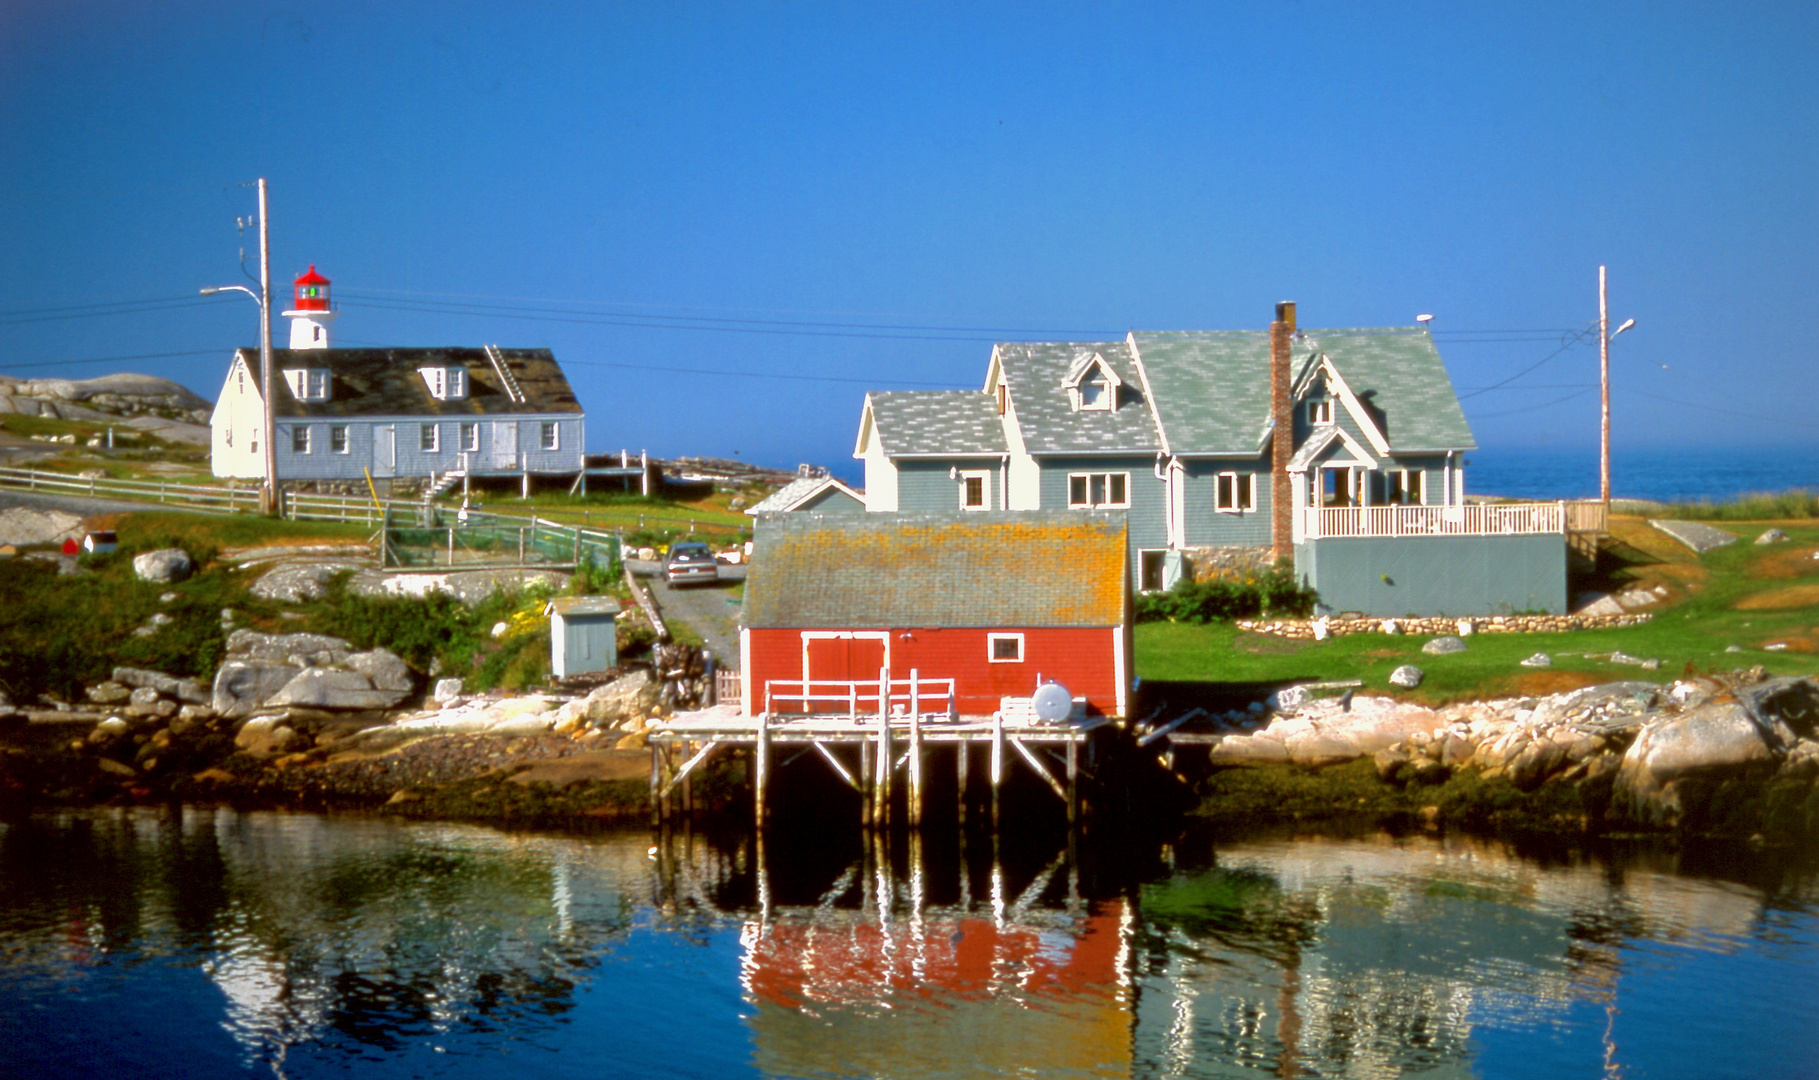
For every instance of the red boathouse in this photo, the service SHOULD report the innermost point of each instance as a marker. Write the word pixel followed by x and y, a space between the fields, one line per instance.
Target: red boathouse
pixel 997 602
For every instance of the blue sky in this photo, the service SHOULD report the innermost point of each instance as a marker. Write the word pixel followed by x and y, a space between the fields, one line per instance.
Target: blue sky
pixel 834 198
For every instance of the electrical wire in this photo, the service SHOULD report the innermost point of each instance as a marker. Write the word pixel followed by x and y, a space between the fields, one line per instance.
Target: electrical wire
pixel 187 302
pixel 109 359
pixel 1577 338
pixel 1536 408
pixel 761 374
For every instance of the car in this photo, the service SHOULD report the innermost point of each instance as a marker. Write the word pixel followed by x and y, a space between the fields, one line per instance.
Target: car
pixel 690 562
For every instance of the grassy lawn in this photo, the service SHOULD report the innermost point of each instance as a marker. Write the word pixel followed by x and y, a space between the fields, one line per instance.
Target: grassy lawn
pixel 709 514
pixel 1738 595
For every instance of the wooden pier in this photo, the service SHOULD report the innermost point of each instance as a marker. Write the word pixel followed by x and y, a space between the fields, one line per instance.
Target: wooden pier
pixel 873 735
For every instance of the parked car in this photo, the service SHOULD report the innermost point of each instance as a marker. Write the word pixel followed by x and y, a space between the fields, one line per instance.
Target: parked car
pixel 690 562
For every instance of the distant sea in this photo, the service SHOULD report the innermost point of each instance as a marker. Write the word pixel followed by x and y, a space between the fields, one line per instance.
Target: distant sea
pixel 1658 475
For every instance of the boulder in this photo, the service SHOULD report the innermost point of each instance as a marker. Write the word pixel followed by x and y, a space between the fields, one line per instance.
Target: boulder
pixel 1540 659
pixel 632 695
pixel 1772 536
pixel 1715 741
pixel 328 688
pixel 1408 676
pixel 294 583
pixel 447 690
pixel 109 693
pixel 185 690
pixel 23 526
pixel 384 669
pixel 165 564
pixel 1444 646
pixel 265 736
pixel 146 701
pixel 242 686
pixel 297 649
pixel 1696 535
pixel 1788 707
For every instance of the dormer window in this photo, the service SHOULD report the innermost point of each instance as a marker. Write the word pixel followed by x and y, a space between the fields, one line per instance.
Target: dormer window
pixel 1091 384
pixel 307 384
pixel 445 383
pixel 1320 411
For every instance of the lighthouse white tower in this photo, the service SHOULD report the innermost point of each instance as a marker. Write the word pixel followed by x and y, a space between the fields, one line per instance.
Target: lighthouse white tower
pixel 311 317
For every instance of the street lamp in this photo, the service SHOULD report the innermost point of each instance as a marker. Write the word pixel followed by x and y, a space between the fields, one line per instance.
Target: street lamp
pixel 1604 391
pixel 269 499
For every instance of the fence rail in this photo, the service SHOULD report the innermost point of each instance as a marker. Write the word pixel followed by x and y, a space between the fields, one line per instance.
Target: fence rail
pixel 862 697
pixel 1472 519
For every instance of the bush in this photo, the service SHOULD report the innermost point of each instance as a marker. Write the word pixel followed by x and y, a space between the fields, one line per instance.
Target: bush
pixel 1756 506
pixel 1275 592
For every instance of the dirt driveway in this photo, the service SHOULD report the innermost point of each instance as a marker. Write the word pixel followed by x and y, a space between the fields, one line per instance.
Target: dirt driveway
pixel 711 611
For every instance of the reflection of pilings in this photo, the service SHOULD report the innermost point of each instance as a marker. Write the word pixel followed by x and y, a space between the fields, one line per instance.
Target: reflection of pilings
pixel 761 767
pixel 997 764
pixel 961 753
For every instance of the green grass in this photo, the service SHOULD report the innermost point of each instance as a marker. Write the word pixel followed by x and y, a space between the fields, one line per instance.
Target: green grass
pixel 1692 630
pixel 1755 506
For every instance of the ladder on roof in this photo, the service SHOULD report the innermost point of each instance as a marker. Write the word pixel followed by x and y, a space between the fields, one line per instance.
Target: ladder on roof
pixel 506 379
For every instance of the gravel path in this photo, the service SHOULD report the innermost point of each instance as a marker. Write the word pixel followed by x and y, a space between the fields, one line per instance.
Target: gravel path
pixel 709 610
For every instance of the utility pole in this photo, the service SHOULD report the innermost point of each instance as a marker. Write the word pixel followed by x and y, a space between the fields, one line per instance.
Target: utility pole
pixel 273 502
pixel 1604 396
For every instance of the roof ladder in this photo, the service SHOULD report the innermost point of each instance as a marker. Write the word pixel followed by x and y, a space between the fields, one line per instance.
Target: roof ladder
pixel 512 389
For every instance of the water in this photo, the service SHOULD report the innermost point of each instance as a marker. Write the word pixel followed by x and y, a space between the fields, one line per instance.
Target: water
pixel 214 943
pixel 1659 475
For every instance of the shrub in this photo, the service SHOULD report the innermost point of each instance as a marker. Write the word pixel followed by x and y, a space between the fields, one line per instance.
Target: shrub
pixel 1275 592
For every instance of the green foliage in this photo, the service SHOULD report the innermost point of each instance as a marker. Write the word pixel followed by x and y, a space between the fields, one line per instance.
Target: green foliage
pixel 1275 592
pixel 421 629
pixel 1756 506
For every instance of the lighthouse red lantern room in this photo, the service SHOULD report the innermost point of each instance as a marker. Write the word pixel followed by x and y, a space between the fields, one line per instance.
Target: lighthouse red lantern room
pixel 311 316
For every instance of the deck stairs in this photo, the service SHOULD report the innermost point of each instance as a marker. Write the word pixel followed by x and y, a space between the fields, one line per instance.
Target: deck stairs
pixel 441 483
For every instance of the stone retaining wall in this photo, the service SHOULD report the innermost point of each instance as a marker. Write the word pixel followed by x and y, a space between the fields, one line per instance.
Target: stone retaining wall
pixel 1427 627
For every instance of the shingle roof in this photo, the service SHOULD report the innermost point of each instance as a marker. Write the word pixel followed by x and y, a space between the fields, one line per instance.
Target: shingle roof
pixel 911 570
pixel 1046 419
pixel 798 490
pixel 956 422
pixel 1212 387
pixel 385 382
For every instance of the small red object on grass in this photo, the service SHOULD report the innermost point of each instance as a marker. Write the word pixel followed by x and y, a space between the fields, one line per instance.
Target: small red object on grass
pixel 70 547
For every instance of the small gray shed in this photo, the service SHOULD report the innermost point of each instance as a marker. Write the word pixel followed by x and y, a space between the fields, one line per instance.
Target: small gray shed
pixel 582 634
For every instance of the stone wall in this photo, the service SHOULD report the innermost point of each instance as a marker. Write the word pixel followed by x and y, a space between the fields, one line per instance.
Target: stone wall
pixel 1212 562
pixel 1427 627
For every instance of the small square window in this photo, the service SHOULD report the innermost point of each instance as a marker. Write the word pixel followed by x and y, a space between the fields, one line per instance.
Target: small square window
pixel 337 439
pixel 548 433
pixel 299 440
pixel 429 438
pixel 1320 412
pixel 470 437
pixel 1004 648
pixel 975 488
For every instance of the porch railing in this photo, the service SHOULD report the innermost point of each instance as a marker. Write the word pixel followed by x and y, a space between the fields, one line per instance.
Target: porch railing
pixel 861 697
pixel 1472 519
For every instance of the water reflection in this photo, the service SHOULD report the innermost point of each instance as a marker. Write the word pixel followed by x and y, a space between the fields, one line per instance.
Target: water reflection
pixel 212 941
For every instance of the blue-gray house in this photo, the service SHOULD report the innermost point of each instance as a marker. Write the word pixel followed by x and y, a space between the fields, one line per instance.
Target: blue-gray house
pixel 1230 450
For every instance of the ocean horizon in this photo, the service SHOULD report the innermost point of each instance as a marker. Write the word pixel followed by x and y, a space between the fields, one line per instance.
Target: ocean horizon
pixel 1657 475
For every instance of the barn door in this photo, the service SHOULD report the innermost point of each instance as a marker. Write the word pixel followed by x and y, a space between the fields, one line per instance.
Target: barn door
pixel 844 656
pixel 505 444
pixel 385 450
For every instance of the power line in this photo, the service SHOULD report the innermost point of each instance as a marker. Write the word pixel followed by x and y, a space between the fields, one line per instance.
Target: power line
pixel 148 306
pixel 1726 412
pixel 758 374
pixel 111 359
pixel 1543 405
pixel 1577 338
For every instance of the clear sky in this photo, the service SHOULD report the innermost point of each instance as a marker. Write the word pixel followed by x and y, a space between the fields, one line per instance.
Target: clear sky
pixel 731 220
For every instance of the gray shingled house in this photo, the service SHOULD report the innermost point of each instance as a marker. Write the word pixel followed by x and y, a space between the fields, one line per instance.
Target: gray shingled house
pixel 1178 430
pixel 403 412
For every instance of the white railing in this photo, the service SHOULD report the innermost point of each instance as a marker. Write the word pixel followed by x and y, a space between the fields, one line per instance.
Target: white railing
pixel 862 697
pixel 1472 519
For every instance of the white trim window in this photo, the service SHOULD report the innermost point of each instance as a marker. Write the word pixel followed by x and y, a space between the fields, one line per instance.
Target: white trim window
pixel 1096 394
pixel 548 437
pixel 975 489
pixel 429 438
pixel 1235 492
pixel 1098 491
pixel 300 439
pixel 1405 487
pixel 1320 411
pixel 337 438
pixel 1004 648
pixel 470 437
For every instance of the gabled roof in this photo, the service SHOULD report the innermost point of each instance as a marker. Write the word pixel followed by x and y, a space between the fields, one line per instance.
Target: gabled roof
pixel 1316 445
pixel 907 571
pixel 1211 388
pixel 1038 374
pixel 799 491
pixel 385 382
pixel 936 423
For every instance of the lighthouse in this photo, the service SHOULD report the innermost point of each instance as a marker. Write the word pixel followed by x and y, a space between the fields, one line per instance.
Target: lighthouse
pixel 312 315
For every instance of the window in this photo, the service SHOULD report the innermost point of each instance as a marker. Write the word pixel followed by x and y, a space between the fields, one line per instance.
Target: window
pixel 337 439
pixel 975 487
pixel 1098 490
pixel 457 382
pixel 429 440
pixel 1096 393
pixel 307 384
pixel 1150 566
pixel 1235 492
pixel 548 435
pixel 1404 487
pixel 299 440
pixel 1004 648
pixel 317 383
pixel 470 437
pixel 1320 411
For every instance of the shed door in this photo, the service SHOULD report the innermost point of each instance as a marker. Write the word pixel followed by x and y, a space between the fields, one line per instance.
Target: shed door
pixel 505 444
pixel 840 657
pixel 385 450
pixel 590 644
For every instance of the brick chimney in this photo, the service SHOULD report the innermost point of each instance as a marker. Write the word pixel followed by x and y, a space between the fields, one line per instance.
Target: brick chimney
pixel 1282 442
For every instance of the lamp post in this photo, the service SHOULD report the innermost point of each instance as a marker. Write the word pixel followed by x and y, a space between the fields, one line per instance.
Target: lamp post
pixel 1604 391
pixel 269 500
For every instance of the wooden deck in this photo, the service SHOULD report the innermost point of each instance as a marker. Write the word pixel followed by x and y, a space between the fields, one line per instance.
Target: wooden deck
pixel 872 751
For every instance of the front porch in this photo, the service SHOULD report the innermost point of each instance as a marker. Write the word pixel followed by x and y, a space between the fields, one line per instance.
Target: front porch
pixel 1469 519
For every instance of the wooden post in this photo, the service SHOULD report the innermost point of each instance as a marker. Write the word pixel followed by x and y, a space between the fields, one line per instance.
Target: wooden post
pixel 451 545
pixel 865 782
pixel 960 755
pixel 915 755
pixel 688 786
pixel 656 786
pixel 881 816
pixel 1073 782
pixel 997 763
pixel 761 767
